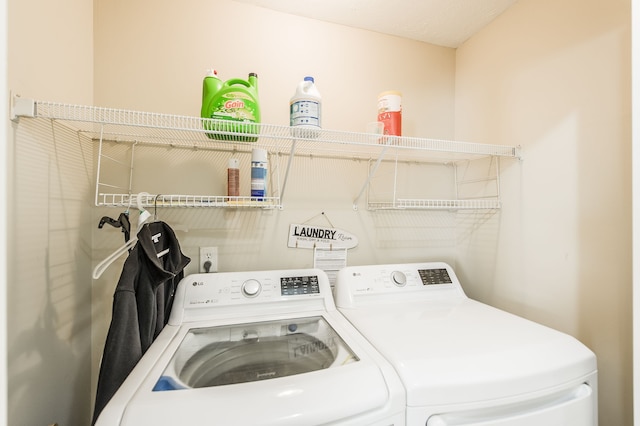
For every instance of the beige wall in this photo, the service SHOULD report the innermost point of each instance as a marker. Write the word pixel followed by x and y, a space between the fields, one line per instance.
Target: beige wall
pixel 152 56
pixel 554 77
pixel 49 175
pixel 4 242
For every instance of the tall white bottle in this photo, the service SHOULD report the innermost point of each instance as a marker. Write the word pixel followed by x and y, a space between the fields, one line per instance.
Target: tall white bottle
pixel 305 110
pixel 259 174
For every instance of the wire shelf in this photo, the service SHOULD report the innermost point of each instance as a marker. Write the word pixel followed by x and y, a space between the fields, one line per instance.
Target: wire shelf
pixel 420 204
pixel 188 201
pixel 176 130
pixel 140 128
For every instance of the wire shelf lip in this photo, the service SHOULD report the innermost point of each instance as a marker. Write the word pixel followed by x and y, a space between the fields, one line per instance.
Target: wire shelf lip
pixel 175 200
pixel 428 204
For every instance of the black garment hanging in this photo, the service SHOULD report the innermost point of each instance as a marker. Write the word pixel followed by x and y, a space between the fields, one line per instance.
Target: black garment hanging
pixel 141 305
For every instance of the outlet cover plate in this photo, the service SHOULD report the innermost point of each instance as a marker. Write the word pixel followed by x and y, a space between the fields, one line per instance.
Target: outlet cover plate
pixel 208 254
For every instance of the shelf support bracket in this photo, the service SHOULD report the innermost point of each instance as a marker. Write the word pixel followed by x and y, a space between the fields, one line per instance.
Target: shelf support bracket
pixel 372 172
pixel 286 173
pixel 21 107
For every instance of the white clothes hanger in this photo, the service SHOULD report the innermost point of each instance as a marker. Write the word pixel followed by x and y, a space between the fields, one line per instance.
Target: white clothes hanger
pixel 142 218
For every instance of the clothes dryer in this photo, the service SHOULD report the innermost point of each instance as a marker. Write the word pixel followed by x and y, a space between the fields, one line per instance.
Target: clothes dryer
pixel 462 362
pixel 258 348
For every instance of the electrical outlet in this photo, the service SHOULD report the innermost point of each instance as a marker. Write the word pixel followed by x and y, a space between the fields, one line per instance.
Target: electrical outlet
pixel 208 259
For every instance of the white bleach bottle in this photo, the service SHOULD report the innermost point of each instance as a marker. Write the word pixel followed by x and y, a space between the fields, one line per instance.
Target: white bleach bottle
pixel 305 110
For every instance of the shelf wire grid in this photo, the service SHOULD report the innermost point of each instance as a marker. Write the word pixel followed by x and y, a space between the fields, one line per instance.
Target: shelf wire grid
pixel 148 127
pixel 119 125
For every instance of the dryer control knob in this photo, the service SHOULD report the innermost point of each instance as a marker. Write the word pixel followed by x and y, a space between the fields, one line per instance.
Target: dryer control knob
pixel 399 278
pixel 251 288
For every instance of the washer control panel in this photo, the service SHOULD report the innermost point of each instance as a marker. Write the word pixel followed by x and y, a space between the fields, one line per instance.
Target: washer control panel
pixel 201 291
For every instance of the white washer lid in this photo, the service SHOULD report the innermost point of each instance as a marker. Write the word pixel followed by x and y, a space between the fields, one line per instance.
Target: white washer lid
pixel 357 390
pixel 463 351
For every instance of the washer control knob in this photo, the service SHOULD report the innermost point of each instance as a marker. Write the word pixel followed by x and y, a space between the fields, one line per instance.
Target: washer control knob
pixel 398 278
pixel 251 288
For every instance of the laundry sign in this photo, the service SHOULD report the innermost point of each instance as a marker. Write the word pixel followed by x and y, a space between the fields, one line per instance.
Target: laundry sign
pixel 309 236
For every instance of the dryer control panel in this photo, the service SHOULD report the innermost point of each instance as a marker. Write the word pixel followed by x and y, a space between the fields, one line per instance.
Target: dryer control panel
pixel 416 280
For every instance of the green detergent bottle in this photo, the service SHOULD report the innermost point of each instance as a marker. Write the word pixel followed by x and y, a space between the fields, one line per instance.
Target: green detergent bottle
pixel 234 105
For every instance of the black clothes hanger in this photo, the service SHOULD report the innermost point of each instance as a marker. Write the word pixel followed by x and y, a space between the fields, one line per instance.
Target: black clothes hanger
pixel 121 222
pixel 128 246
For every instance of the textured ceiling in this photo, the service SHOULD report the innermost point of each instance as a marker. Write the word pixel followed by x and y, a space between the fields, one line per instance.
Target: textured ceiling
pixel 442 22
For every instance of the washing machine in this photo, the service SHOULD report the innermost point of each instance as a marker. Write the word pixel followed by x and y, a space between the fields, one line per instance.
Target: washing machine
pixel 258 348
pixel 463 362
